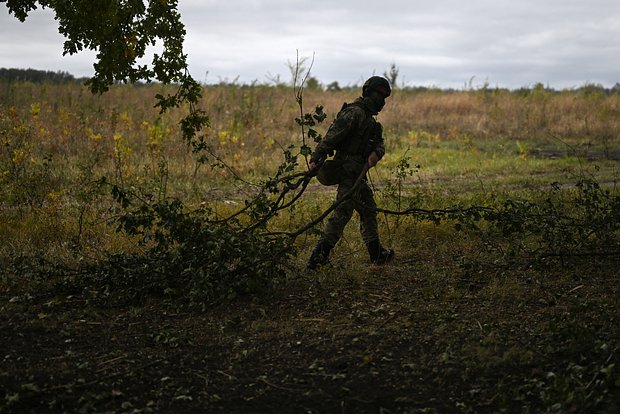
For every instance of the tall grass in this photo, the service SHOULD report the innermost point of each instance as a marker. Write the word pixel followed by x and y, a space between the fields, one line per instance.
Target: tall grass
pixel 251 121
pixel 524 115
pixel 58 140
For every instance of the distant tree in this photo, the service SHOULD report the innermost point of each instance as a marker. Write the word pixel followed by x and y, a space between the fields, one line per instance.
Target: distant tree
pixel 120 31
pixel 299 69
pixel 334 86
pixel 392 75
pixel 592 90
pixel 275 79
pixel 313 83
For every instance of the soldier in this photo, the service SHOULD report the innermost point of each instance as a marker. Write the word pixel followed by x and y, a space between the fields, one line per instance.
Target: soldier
pixel 357 139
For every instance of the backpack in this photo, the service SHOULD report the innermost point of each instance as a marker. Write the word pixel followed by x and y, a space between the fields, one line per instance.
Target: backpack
pixel 332 171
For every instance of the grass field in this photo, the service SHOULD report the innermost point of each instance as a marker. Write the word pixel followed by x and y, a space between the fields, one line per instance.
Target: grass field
pixel 513 311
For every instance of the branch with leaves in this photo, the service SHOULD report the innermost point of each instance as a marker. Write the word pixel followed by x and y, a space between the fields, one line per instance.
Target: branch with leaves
pixel 121 33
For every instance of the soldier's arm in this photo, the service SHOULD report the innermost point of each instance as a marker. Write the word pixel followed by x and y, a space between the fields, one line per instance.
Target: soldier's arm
pixel 378 147
pixel 380 144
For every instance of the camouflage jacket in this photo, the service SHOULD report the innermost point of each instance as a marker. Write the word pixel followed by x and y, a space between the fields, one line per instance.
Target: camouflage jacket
pixel 354 133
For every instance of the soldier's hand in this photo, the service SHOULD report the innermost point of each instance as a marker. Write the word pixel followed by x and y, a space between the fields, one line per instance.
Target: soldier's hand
pixel 373 159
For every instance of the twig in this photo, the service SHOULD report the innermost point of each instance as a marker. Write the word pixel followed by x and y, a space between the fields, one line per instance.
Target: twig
pixel 279 387
pixel 412 211
pixel 230 377
pixel 109 362
pixel 573 289
pixel 275 207
pixel 299 92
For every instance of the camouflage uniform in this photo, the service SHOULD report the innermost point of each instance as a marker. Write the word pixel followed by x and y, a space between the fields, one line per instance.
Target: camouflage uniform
pixel 353 136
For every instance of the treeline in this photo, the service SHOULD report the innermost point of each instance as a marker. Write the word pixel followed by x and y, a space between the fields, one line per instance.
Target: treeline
pixel 60 77
pixel 586 89
pixel 36 76
pixel 314 84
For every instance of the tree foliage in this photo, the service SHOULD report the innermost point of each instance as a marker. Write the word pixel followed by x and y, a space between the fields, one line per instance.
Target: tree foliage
pixel 190 255
pixel 122 33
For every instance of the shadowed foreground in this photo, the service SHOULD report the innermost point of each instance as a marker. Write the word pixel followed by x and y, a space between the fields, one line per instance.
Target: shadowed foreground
pixel 411 337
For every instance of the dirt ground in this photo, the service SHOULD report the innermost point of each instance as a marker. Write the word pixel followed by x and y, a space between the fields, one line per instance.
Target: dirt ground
pixel 395 339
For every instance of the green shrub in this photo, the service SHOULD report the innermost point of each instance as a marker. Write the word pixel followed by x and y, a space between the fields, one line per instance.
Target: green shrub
pixel 26 176
pixel 191 256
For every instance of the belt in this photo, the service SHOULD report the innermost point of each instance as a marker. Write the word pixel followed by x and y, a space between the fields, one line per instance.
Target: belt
pixel 349 156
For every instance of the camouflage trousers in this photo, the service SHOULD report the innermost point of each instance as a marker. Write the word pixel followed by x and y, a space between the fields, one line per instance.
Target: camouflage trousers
pixel 339 218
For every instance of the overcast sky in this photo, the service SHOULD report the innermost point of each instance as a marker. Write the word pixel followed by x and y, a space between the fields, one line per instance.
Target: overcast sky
pixel 444 43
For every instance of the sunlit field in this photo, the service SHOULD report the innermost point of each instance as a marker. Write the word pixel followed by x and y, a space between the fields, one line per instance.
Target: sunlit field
pixel 502 207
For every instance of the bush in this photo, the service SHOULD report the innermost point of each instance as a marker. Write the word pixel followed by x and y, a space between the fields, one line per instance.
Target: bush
pixel 583 222
pixel 187 255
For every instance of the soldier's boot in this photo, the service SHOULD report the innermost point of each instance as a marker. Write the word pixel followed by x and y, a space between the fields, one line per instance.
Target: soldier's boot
pixel 320 255
pixel 379 255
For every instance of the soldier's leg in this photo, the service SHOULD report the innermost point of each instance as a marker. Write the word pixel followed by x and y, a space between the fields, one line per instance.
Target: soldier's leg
pixel 339 218
pixel 369 228
pixel 368 215
pixel 333 229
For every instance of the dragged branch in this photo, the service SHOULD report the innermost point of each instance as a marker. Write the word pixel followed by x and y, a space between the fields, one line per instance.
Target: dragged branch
pixel 348 195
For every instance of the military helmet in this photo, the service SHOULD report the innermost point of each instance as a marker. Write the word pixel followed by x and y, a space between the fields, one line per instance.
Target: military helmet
pixel 377 83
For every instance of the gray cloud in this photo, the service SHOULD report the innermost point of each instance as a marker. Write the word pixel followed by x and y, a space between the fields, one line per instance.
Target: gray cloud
pixel 443 43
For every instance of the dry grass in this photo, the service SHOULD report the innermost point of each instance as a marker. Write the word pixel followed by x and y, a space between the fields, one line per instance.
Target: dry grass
pixel 59 139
